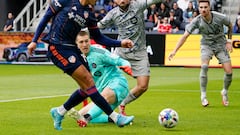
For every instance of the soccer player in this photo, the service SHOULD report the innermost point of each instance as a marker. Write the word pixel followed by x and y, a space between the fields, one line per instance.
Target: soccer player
pixel 213 43
pixel 68 18
pixel 128 17
pixel 109 80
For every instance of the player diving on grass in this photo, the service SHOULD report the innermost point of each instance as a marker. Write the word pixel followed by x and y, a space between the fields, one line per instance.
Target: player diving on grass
pixel 68 18
pixel 110 82
pixel 213 43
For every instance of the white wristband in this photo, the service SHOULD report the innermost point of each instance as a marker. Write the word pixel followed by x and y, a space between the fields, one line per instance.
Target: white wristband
pixel 229 40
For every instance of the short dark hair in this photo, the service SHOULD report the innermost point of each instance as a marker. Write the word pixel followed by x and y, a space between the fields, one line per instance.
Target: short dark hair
pixel 199 1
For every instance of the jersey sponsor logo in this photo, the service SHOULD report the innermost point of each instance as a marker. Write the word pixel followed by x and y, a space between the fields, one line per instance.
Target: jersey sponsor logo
pixel 76 17
pixel 133 20
pixel 80 20
pixel 236 44
pixel 97 73
pixel 74 8
pixel 70 15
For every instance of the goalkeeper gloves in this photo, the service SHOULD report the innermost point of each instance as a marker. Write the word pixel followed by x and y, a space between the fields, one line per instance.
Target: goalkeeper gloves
pixel 126 69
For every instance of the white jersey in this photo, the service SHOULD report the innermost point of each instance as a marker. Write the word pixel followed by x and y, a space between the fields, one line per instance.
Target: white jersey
pixel 130 23
pixel 213 32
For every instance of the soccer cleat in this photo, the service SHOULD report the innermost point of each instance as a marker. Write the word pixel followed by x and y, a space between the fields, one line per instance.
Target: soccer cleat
pixel 122 110
pixel 81 121
pixel 225 101
pixel 57 119
pixel 205 102
pixel 123 120
pixel 73 113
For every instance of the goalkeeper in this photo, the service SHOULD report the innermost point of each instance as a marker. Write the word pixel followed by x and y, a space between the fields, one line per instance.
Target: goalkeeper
pixel 111 83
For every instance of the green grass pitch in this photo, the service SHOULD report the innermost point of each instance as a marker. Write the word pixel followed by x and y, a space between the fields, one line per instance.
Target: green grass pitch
pixel 27 92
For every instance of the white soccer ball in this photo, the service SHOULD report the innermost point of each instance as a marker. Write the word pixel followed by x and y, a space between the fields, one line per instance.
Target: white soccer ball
pixel 168 118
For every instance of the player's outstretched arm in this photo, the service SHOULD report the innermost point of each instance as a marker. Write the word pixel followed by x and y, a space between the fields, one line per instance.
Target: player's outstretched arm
pixel 105 40
pixel 179 45
pixel 41 26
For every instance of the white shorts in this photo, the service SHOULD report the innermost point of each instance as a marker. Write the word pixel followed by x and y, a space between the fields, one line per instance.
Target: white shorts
pixel 139 62
pixel 222 55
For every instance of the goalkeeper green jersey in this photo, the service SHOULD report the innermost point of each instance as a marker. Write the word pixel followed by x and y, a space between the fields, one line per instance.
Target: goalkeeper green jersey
pixel 104 66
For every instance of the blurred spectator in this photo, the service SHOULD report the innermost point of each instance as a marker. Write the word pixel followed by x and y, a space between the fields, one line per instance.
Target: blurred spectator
pixel 213 5
pixel 9 23
pixel 110 6
pixel 163 11
pixel 145 12
pixel 174 21
pixel 103 12
pixel 165 26
pixel 236 27
pixel 169 3
pixel 183 4
pixel 149 26
pixel 100 2
pixel 187 15
pixel 152 14
pixel 195 14
pixel 178 13
pixel 98 15
pixel 195 3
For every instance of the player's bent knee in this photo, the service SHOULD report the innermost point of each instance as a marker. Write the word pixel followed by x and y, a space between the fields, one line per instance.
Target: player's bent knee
pixel 143 88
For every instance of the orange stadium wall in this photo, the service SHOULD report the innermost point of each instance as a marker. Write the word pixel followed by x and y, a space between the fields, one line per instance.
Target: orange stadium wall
pixel 189 53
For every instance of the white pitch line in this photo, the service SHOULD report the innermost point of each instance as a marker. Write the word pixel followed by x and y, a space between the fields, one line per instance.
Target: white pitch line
pixel 31 98
pixel 172 90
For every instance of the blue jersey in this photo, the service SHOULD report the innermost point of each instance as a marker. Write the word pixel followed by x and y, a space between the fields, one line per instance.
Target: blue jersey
pixel 104 66
pixel 68 18
pixel 68 21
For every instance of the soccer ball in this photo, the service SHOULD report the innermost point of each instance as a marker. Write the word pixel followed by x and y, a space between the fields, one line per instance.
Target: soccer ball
pixel 168 118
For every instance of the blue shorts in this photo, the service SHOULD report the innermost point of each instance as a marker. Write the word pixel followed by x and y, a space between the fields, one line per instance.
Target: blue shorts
pixel 67 58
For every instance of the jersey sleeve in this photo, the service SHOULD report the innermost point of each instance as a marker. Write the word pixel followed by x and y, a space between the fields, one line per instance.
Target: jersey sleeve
pixel 57 5
pixel 226 20
pixel 43 23
pixel 192 25
pixel 106 21
pixel 102 39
